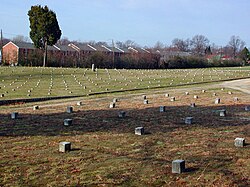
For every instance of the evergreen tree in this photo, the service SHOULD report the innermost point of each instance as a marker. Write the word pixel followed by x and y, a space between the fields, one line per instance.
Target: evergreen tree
pixel 244 55
pixel 44 28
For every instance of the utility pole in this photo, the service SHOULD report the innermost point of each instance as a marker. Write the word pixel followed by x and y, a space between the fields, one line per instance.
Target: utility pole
pixel 113 50
pixel 1 46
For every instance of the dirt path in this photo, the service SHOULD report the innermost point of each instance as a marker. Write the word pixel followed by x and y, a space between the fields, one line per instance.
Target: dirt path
pixel 242 85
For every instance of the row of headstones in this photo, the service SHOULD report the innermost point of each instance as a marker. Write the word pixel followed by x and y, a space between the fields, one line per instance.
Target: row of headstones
pixel 178 166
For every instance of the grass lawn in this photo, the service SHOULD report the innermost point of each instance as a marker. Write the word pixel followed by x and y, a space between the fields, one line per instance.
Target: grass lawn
pixel 105 150
pixel 23 82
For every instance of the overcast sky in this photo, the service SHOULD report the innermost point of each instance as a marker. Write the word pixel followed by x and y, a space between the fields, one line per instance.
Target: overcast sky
pixel 143 21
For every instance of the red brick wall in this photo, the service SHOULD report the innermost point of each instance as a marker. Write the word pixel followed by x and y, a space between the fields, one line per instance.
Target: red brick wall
pixel 10 53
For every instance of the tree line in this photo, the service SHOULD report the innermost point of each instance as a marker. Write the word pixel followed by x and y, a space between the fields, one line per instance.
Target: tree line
pixel 45 30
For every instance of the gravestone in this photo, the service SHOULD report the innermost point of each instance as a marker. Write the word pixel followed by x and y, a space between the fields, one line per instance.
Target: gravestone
pixel 187 93
pixel 166 95
pixel 162 108
pixel 115 100
pixel 68 122
pixel 239 142
pixel 144 97
pixel 93 67
pixel 112 105
pixel 217 101
pixel 230 93
pixel 14 115
pixel 247 108
pixel 189 120
pixel 236 99
pixel 79 103
pixel 36 107
pixel 195 96
pixel 178 166
pixel 139 130
pixel 214 94
pixel 222 112
pixel 203 91
pixel 69 109
pixel 172 99
pixel 2 95
pixel 145 101
pixel 122 114
pixel 64 147
pixel 192 105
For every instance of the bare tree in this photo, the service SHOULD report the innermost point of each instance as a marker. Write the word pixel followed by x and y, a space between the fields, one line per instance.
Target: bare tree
pixel 182 45
pixel 63 41
pixel 199 43
pixel 236 44
pixel 20 38
pixel 159 46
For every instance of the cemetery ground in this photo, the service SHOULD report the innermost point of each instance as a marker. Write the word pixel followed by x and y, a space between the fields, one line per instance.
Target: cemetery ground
pixel 105 150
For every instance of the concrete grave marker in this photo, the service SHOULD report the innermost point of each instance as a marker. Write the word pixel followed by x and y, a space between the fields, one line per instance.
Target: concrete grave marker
pixel 145 101
pixel 192 105
pixel 239 142
pixel 14 115
pixel 217 101
pixel 162 108
pixel 64 147
pixel 68 122
pixel 79 103
pixel 69 109
pixel 178 166
pixel 247 108
pixel 139 130
pixel 122 114
pixel 112 105
pixel 195 96
pixel 36 107
pixel 222 112
pixel 236 99
pixel 189 120
pixel 172 99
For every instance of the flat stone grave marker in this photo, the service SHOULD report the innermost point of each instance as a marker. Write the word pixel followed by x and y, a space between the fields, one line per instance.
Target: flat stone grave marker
pixel 236 99
pixel 247 108
pixel 69 109
pixel 14 115
pixel 79 103
pixel 112 105
pixel 172 99
pixel 189 120
pixel 178 166
pixel 36 107
pixel 217 101
pixel 122 114
pixel 222 112
pixel 162 108
pixel 239 142
pixel 139 130
pixel 192 105
pixel 68 122
pixel 64 147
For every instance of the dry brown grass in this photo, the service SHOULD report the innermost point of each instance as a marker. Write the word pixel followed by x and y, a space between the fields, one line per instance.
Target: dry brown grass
pixel 107 153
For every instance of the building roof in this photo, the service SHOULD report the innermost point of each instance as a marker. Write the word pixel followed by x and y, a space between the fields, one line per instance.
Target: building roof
pixel 64 48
